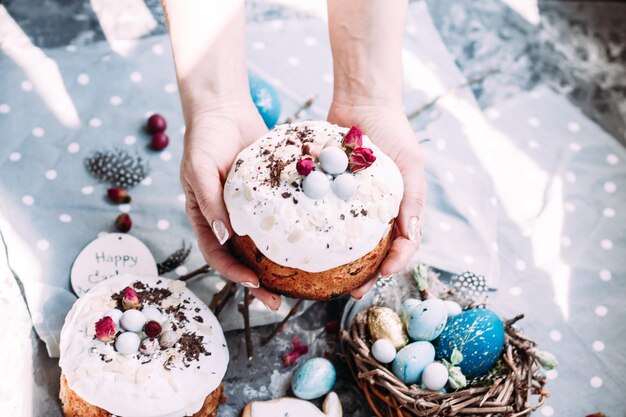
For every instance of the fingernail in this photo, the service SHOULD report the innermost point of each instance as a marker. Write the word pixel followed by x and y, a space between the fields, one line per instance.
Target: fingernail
pixel 270 308
pixel 220 231
pixel 356 299
pixel 414 229
pixel 249 284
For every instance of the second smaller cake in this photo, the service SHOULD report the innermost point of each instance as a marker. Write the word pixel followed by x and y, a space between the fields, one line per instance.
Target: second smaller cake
pixel 313 206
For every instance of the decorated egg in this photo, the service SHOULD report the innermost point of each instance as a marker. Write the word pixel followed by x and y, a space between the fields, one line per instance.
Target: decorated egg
pixel 333 160
pixel 266 100
pixel 435 376
pixel 133 320
pixel 454 309
pixel 316 185
pixel 384 323
pixel 478 334
pixel 424 320
pixel 411 361
pixel 313 378
pixel 344 186
pixel 127 343
pixel 152 313
pixel 383 351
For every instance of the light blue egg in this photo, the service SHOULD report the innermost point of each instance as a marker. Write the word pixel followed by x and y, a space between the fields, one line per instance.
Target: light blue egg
pixel 344 186
pixel 333 160
pixel 316 185
pixel 411 361
pixel 479 335
pixel 313 379
pixel 266 100
pixel 424 320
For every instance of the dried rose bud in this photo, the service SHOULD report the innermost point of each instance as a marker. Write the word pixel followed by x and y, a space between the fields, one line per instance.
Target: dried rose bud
pixel 297 349
pixel 123 223
pixel 118 195
pixel 130 300
pixel 148 345
pixel 168 339
pixel 105 329
pixel 305 166
pixel 353 139
pixel 152 329
pixel 360 158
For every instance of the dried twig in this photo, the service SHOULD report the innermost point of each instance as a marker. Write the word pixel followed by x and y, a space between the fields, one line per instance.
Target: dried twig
pixel 298 113
pixel 278 328
pixel 245 312
pixel 202 270
pixel 220 298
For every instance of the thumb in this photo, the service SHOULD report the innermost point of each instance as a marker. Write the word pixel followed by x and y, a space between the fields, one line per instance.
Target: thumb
pixel 203 177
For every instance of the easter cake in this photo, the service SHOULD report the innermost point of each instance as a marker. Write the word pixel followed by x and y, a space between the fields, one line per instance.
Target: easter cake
pixel 141 347
pixel 313 207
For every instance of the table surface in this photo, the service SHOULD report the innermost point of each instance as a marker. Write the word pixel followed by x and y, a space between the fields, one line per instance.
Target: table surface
pixel 571 305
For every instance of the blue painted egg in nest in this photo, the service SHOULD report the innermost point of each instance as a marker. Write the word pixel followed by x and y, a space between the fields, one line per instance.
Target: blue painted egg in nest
pixel 478 334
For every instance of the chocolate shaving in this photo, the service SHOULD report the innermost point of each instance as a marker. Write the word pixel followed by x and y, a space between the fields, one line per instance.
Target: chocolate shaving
pixel 199 319
pixel 191 346
pixel 286 194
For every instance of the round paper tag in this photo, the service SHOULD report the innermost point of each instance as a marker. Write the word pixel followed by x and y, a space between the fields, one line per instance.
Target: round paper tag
pixel 108 256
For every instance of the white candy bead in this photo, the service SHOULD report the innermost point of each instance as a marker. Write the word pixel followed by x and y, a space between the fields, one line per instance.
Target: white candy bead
pixel 383 351
pixel 133 320
pixel 152 313
pixel 116 315
pixel 454 309
pixel 333 160
pixel 148 345
pixel 315 185
pixel 168 339
pixel 435 376
pixel 127 343
pixel 344 186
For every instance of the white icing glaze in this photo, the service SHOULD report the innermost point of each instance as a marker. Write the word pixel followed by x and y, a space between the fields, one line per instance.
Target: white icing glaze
pixel 294 407
pixel 312 235
pixel 127 387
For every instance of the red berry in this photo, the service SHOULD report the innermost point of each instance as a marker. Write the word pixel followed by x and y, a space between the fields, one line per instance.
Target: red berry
pixel 152 329
pixel 156 124
pixel 118 195
pixel 123 223
pixel 159 141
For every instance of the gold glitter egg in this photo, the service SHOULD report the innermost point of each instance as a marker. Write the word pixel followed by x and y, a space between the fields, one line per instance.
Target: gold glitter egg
pixel 384 323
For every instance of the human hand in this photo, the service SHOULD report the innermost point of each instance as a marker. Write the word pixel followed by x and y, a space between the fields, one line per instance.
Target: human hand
pixel 389 129
pixel 212 141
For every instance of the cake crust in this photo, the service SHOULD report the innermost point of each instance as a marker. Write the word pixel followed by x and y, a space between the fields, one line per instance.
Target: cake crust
pixel 320 286
pixel 74 406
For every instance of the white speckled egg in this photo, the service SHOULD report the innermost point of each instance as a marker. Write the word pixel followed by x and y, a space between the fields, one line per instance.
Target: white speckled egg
pixel 133 320
pixel 435 376
pixel 454 309
pixel 116 315
pixel 411 361
pixel 424 320
pixel 333 160
pixel 344 186
pixel 127 343
pixel 383 351
pixel 152 313
pixel 313 378
pixel 316 185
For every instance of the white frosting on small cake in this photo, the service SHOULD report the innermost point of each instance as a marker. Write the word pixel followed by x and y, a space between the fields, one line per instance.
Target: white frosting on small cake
pixel 265 200
pixel 172 382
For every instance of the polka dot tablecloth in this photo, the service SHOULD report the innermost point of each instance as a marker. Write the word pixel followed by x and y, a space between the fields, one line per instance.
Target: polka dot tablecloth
pixel 529 192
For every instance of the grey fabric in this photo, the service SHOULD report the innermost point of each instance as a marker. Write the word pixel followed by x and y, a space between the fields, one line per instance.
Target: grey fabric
pixel 532 195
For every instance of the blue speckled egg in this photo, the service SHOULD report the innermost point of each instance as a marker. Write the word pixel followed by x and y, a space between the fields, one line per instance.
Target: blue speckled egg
pixel 424 320
pixel 266 100
pixel 313 379
pixel 479 335
pixel 411 361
